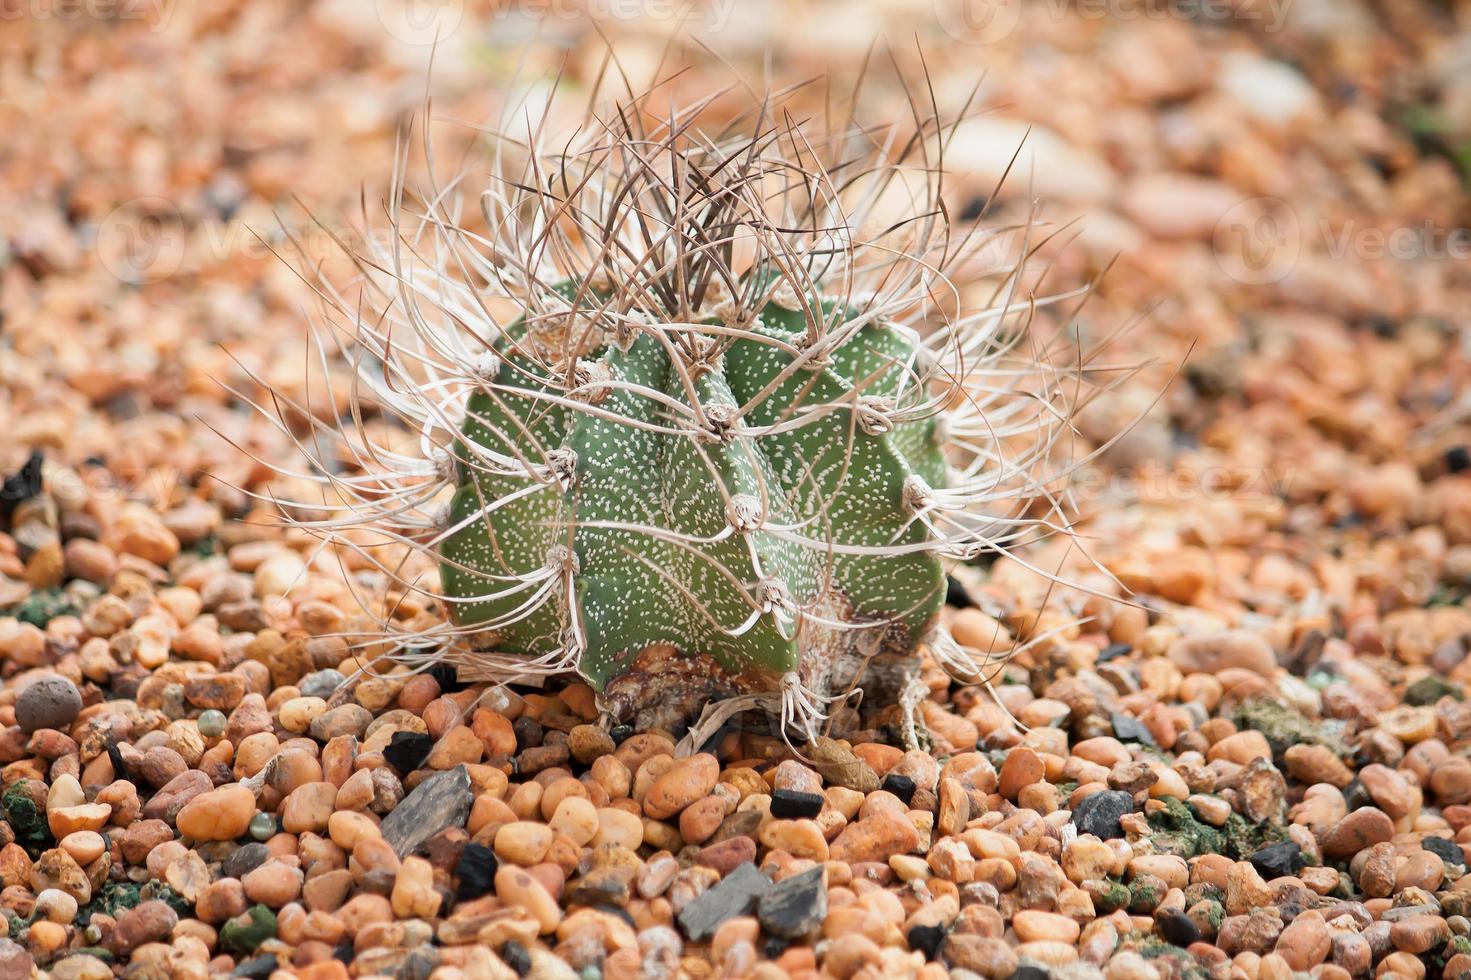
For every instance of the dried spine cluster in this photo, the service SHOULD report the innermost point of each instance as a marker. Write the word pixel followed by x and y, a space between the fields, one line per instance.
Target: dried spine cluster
pixel 701 415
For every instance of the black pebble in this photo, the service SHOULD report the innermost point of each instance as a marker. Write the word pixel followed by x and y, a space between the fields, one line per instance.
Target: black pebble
pixel 713 742
pixel 1113 651
pixel 406 751
pixel 1029 972
pixel 900 786
pixel 1127 728
pixel 1356 796
pixel 344 953
pixel 617 913
pixel 1458 459
pixel 447 677
pixel 1446 849
pixel 1278 860
pixel 529 732
pixel 1098 813
pixel 789 804
pixel 257 967
pixel 516 957
pixel 1178 929
pixel 926 939
pixel 774 946
pixel 955 594
pixel 475 871
pixel 1384 326
pixel 24 484
pixel 620 733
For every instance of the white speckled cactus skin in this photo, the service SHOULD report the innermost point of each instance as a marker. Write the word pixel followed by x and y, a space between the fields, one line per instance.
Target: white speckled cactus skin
pixel 701 418
pixel 708 543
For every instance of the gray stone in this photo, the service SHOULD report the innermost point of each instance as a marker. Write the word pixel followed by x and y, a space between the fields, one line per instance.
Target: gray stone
pixel 345 719
pixel 1403 912
pixel 1098 813
pixel 321 684
pixel 443 800
pixel 420 964
pixel 742 823
pixel 244 860
pixel 47 702
pixel 733 895
pixel 795 906
pixel 1129 729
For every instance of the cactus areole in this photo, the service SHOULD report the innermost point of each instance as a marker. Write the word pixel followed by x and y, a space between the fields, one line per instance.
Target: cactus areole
pixel 702 417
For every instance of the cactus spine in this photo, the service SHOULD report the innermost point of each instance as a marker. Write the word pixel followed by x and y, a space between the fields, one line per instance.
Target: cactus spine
pixel 701 417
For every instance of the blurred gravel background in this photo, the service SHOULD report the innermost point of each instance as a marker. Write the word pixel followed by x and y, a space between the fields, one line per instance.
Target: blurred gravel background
pixel 1276 188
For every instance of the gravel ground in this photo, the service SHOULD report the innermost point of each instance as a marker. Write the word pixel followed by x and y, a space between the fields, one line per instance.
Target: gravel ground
pixel 1258 768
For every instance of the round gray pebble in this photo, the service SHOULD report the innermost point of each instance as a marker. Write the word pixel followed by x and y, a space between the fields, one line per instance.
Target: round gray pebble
pixel 244 860
pixel 49 702
pixel 321 684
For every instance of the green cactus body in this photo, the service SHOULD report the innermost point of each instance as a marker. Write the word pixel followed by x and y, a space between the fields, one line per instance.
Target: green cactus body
pixel 711 546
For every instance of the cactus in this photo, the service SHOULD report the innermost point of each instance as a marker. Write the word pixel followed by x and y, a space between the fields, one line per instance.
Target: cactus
pixel 701 417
